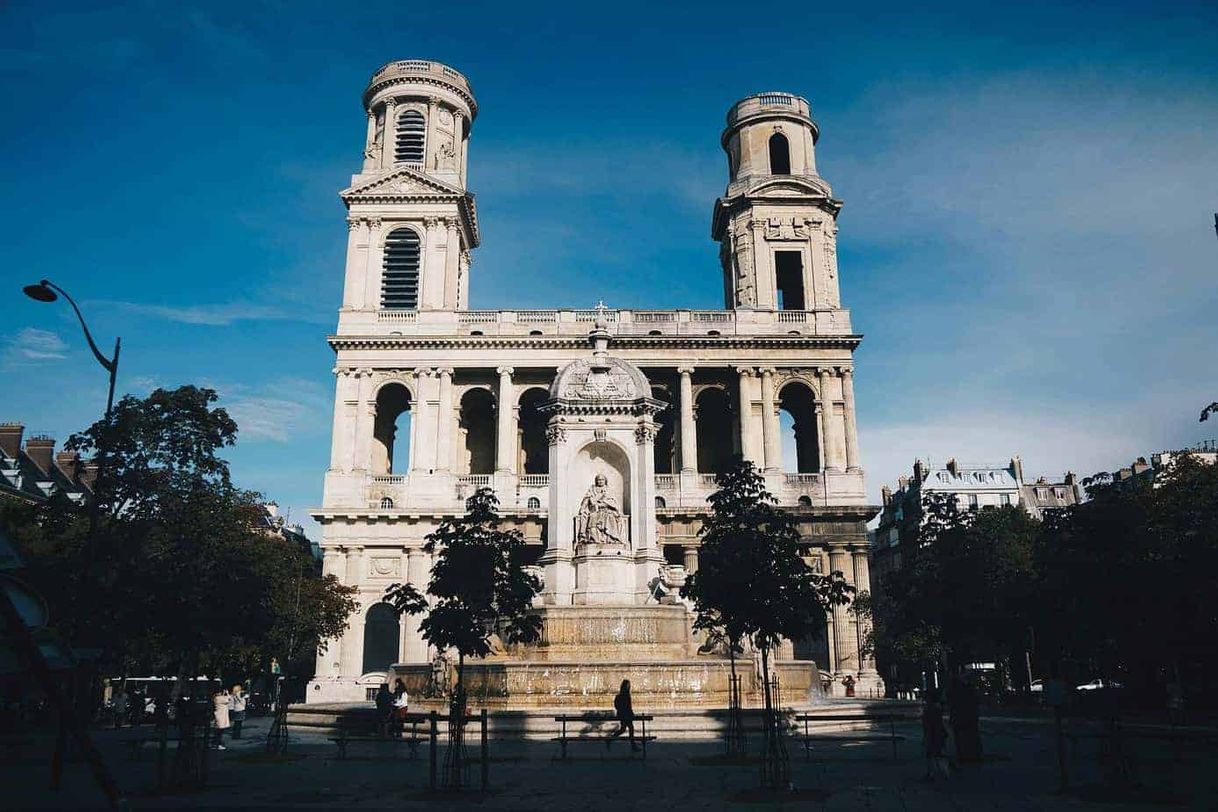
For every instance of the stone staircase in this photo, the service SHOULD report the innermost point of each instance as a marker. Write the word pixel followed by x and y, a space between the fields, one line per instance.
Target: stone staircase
pixel 685 723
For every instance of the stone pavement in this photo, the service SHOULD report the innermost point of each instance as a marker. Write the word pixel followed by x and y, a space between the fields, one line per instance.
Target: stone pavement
pixel 1021 773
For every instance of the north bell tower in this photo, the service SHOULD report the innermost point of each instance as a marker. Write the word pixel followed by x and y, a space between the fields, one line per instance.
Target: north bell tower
pixel 412 222
pixel 776 223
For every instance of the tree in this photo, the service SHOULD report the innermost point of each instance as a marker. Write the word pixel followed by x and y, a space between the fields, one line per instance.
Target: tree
pixel 478 587
pixel 753 582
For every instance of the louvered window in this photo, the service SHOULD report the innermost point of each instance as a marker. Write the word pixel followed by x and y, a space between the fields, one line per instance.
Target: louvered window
pixel 412 132
pixel 400 272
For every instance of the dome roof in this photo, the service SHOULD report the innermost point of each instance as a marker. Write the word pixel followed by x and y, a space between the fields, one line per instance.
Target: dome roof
pixel 601 378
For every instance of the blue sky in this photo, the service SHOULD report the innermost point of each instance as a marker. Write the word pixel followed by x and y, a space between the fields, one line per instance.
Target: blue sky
pixel 1027 239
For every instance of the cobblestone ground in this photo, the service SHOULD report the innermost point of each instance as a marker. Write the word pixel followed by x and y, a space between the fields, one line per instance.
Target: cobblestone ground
pixel 1020 773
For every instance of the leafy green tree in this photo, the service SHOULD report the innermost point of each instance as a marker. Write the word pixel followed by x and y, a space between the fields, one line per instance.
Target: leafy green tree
pixel 478 587
pixel 753 581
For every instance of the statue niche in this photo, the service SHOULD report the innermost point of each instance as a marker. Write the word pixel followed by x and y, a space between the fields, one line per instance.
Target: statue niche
pixel 600 522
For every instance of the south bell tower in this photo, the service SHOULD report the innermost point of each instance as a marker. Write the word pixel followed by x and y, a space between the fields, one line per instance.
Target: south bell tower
pixel 776 223
pixel 412 222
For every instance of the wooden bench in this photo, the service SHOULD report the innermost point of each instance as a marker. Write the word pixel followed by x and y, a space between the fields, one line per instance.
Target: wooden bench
pixel 349 731
pixel 563 738
pixel 808 737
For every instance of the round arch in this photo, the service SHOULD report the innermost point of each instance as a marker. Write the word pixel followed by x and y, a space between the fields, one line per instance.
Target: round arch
pixel 382 635
pixel 533 448
pixel 798 427
pixel 390 430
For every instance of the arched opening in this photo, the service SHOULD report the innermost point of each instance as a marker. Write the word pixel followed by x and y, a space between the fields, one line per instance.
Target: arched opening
pixel 477 427
pixel 381 635
pixel 391 429
pixel 780 155
pixel 600 458
pixel 815 647
pixel 797 422
pixel 534 503
pixel 665 442
pixel 411 137
pixel 400 270
pixel 386 503
pixel 714 429
pixel 804 501
pixel 534 450
pixel 660 503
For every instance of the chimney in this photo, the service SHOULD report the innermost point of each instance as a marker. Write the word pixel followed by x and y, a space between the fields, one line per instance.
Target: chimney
pixel 902 481
pixel 953 466
pixel 919 471
pixel 1140 466
pixel 1124 474
pixel 68 463
pixel 10 439
pixel 1070 478
pixel 1017 469
pixel 88 473
pixel 886 495
pixel 40 449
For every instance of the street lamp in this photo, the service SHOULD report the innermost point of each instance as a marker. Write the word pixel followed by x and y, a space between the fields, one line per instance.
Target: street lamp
pixel 48 291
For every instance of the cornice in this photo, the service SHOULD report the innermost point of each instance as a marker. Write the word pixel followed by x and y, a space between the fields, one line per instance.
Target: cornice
pixel 421 79
pixel 399 342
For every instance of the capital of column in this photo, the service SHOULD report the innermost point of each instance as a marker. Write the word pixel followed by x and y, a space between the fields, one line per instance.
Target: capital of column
pixel 432 223
pixel 354 222
pixel 444 372
pixel 505 371
pixel 846 372
pixel 745 372
pixel 685 371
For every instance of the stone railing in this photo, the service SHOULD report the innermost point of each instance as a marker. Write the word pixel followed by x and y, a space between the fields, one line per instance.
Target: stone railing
pixel 534 480
pixel 828 322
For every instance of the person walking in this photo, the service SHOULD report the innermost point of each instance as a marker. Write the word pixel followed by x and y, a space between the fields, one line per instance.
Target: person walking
pixel 384 709
pixel 934 737
pixel 623 708
pixel 237 703
pixel 220 706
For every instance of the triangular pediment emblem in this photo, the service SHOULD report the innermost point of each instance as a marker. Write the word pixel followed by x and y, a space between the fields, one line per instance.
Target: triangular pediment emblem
pixel 404 182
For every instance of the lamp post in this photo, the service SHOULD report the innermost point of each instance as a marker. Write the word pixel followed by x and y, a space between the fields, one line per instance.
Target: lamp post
pixel 48 291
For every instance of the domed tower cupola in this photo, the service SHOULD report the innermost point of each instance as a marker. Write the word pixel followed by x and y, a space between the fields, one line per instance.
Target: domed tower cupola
pixel 413 221
pixel 775 222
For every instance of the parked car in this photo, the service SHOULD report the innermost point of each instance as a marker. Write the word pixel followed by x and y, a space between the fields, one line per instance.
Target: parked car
pixel 1097 685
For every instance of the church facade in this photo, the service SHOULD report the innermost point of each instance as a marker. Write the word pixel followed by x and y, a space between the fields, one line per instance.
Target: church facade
pixel 599 429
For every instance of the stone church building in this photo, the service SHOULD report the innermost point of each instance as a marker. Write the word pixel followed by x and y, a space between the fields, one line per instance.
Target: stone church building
pixel 599 429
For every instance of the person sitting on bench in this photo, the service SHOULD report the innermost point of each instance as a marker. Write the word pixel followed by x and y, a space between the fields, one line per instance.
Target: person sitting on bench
pixel 624 710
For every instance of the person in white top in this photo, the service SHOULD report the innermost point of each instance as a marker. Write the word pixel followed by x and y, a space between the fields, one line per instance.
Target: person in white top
pixel 237 701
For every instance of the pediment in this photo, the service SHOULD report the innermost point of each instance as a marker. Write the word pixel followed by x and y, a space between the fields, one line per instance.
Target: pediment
pixel 789 187
pixel 402 182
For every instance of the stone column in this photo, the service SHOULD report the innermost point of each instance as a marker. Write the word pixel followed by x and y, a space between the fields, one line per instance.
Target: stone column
pixel 459 143
pixel 418 575
pixel 833 457
pixel 355 284
pixel 690 555
pixel 505 430
pixel 819 408
pixel 353 640
pixel 390 137
pixel 845 643
pixel 417 408
pixel 452 258
pixel 689 432
pixel 769 422
pixel 444 447
pixel 370 143
pixel 862 582
pixel 365 416
pixel 763 264
pixel 852 440
pixel 748 445
pixel 429 148
pixel 372 271
pixel 340 451
pixel 431 276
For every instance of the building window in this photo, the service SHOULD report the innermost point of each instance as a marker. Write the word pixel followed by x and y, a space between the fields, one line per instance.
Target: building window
pixel 660 503
pixel 534 503
pixel 400 271
pixel 1005 499
pixel 972 501
pixel 386 503
pixel 780 155
pixel 411 137
pixel 805 501
pixel 789 275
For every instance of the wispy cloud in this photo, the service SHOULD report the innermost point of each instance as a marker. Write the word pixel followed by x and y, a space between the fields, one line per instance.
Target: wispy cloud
pixel 218 315
pixel 279 411
pixel 33 346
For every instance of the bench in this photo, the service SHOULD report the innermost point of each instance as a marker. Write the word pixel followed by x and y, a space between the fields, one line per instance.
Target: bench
pixel 374 732
pixel 597 735
pixel 808 737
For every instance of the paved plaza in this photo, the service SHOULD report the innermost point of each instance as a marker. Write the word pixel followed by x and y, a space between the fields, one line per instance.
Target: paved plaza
pixel 1020 773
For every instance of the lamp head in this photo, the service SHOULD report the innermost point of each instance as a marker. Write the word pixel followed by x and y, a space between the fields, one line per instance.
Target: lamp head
pixel 40 292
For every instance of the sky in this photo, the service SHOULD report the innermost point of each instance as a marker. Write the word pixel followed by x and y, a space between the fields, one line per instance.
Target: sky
pixel 1027 241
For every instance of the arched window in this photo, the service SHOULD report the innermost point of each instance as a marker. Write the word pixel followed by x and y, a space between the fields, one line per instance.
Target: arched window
pixel 386 503
pixel 411 135
pixel 534 448
pixel 381 635
pixel 660 503
pixel 391 429
pixel 534 503
pixel 797 420
pixel 400 270
pixel 665 442
pixel 805 501
pixel 780 155
pixel 477 427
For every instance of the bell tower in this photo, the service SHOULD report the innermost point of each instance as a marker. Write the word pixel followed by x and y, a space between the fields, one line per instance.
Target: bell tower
pixel 776 223
pixel 412 223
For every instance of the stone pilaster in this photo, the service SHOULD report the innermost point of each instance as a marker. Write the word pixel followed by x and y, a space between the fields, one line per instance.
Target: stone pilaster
pixel 852 451
pixel 372 267
pixel 505 430
pixel 452 260
pixel 446 420
pixel 769 422
pixel 747 424
pixel 829 421
pixel 844 640
pixel 390 136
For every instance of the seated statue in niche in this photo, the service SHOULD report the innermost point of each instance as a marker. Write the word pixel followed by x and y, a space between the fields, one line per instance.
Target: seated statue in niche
pixel 600 520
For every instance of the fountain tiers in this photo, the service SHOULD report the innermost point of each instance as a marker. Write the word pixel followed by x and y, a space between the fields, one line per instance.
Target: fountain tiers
pixel 586 651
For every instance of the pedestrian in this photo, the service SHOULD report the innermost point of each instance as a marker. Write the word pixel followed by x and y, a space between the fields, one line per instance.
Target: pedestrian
pixel 220 705
pixel 934 736
pixel 237 702
pixel 624 710
pixel 401 706
pixel 384 709
pixel 120 706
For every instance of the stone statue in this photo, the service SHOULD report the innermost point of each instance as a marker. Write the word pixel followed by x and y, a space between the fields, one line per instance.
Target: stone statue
pixel 599 520
pixel 446 157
